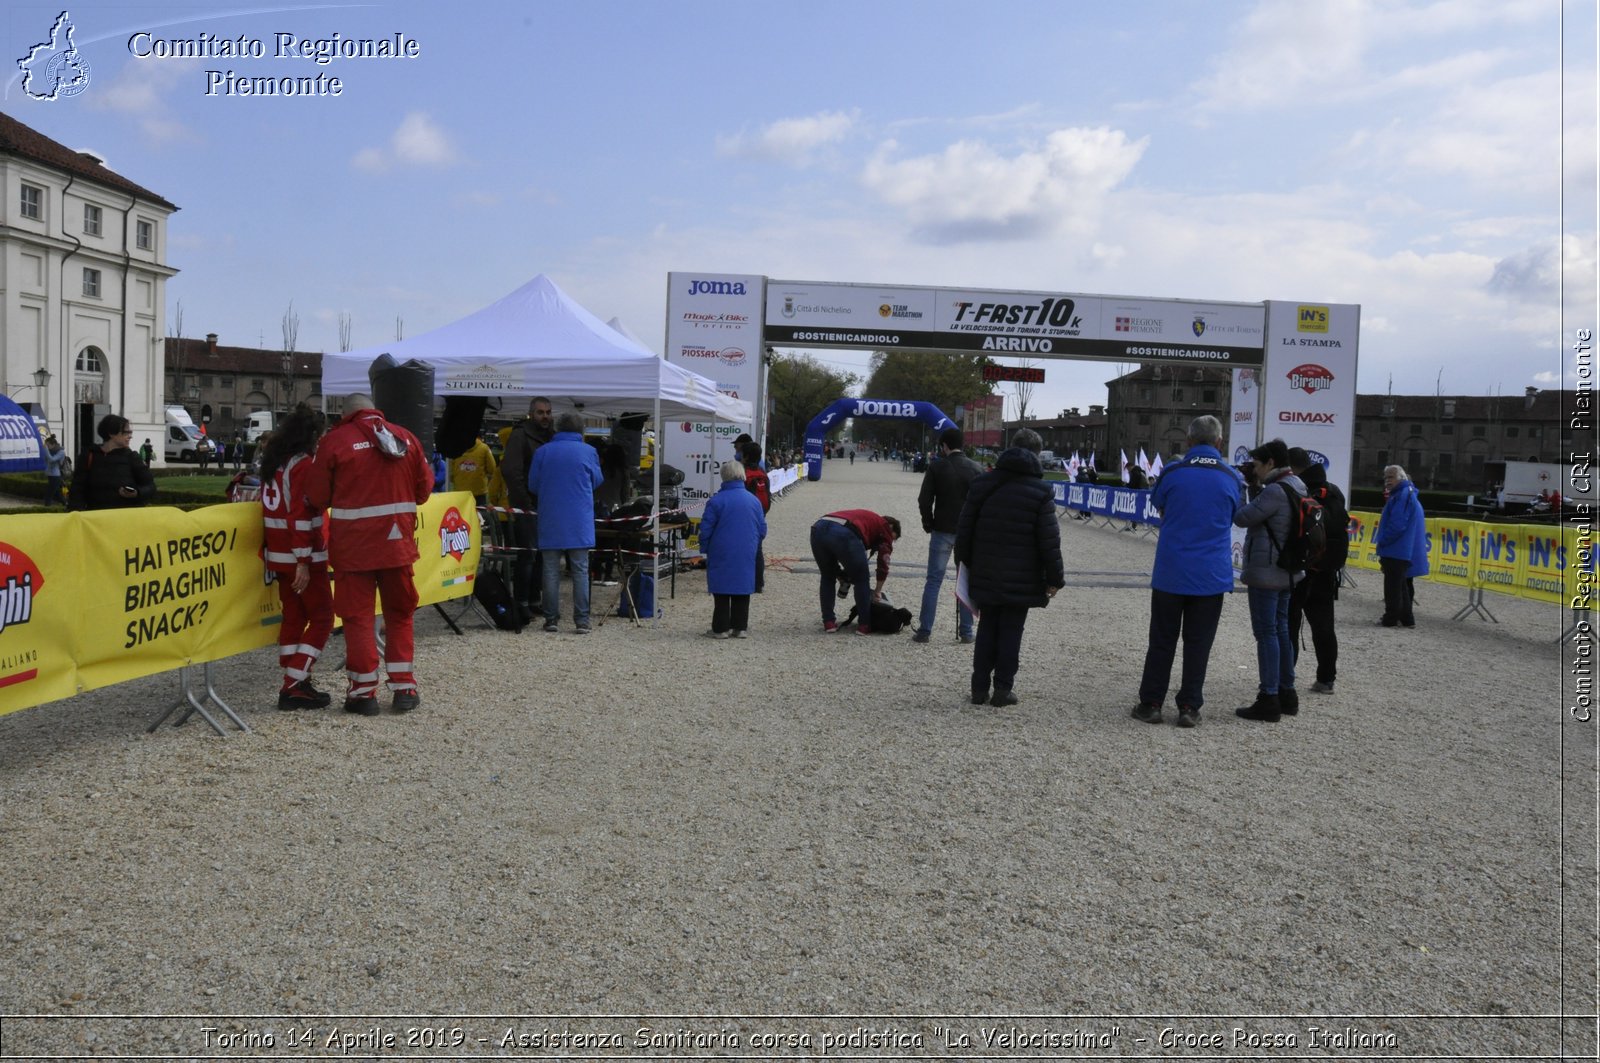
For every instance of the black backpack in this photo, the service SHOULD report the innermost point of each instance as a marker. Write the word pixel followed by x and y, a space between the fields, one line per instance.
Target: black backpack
pixel 1307 541
pixel 1336 528
pixel 492 593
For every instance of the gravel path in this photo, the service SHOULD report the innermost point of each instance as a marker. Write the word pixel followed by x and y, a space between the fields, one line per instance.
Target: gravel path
pixel 648 821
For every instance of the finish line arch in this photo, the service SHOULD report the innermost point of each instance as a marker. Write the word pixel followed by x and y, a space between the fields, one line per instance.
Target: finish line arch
pixel 1293 362
pixel 869 409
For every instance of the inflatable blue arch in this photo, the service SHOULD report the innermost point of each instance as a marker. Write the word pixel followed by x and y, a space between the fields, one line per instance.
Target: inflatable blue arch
pixel 877 409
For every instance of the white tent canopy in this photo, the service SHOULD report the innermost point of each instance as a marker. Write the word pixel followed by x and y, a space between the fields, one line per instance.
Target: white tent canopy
pixel 539 341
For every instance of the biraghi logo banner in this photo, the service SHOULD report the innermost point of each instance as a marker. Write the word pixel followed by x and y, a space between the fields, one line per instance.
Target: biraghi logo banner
pixel 1310 378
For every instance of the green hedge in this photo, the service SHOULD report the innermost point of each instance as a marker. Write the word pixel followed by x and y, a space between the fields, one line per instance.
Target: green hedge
pixel 185 490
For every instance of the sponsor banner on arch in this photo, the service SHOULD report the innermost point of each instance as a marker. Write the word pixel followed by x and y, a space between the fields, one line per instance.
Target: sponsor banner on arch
pixel 1310 381
pixel 714 329
pixel 1109 328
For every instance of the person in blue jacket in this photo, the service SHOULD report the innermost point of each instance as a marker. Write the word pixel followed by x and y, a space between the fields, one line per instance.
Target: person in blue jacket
pixel 563 476
pixel 1198 496
pixel 1402 542
pixel 730 536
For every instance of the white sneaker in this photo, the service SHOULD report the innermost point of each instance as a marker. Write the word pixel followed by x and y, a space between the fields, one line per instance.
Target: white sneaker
pixel 741 634
pixel 717 635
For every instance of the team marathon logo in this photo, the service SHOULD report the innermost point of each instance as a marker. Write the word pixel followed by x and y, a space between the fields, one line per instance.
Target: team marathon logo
pixel 1310 378
pixel 455 536
pixel 897 310
pixel 54 68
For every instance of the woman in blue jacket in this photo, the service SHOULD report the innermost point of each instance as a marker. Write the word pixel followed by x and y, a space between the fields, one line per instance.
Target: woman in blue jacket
pixel 1402 542
pixel 730 536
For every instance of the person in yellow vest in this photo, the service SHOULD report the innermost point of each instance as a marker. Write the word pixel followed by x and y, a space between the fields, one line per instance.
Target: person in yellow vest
pixel 473 470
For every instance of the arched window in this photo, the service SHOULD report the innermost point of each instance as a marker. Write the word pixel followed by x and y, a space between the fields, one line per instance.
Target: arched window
pixel 89 376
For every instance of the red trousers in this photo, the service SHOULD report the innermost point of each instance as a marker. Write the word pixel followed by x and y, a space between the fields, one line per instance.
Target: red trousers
pixel 353 595
pixel 307 620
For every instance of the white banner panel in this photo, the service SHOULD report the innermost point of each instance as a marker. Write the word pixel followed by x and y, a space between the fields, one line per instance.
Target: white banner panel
pixel 1310 381
pixel 1241 430
pixel 1110 328
pixel 714 329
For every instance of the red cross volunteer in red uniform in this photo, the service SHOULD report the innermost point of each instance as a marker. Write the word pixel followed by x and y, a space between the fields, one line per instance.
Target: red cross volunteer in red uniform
pixel 371 476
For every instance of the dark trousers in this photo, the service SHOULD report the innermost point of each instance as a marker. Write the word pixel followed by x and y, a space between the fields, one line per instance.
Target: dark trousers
pixel 525 570
pixel 1194 617
pixel 1397 591
pixel 1313 598
pixel 840 554
pixel 730 612
pixel 761 570
pixel 998 647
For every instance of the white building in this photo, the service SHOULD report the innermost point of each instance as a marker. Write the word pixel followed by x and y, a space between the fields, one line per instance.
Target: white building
pixel 82 288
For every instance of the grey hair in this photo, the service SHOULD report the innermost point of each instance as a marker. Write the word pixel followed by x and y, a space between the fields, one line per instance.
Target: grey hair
pixel 1399 473
pixel 357 401
pixel 731 471
pixel 1206 430
pixel 1027 439
pixel 570 421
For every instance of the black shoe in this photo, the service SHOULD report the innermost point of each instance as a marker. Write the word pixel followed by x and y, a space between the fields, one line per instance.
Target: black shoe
pixel 1265 709
pixel 406 700
pixel 362 706
pixel 922 636
pixel 980 696
pixel 1288 701
pixel 1188 717
pixel 1147 713
pixel 303 695
pixel 1384 621
pixel 1408 623
pixel 1002 698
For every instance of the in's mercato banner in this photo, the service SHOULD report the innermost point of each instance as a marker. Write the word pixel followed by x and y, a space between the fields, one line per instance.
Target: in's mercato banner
pixel 1110 328
pixel 92 599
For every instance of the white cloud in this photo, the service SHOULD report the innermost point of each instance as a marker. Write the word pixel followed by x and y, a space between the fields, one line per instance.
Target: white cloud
pixel 1548 378
pixel 790 140
pixel 417 141
pixel 971 191
pixel 140 90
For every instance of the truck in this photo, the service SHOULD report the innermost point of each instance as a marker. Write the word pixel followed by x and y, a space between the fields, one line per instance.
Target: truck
pixel 1522 482
pixel 259 424
pixel 183 440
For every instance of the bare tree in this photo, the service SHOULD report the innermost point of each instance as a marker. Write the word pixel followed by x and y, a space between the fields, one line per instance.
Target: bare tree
pixel 1022 391
pixel 175 330
pixel 344 332
pixel 291 334
pixel 399 328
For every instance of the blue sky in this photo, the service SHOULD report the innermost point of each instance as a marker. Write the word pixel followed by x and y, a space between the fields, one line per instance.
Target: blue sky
pixel 1407 156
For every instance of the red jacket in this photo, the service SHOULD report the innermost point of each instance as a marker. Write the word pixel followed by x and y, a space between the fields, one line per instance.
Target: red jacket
pixel 371 496
pixel 755 479
pixel 292 530
pixel 875 534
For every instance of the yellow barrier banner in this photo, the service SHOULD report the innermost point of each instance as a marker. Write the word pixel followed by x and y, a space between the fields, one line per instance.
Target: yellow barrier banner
pixel 1363 527
pixel 1579 577
pixel 92 599
pixel 1545 555
pixel 1452 556
pixel 1500 557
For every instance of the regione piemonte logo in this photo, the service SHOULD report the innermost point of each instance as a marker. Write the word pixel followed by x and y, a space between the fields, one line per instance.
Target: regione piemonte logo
pixel 54 68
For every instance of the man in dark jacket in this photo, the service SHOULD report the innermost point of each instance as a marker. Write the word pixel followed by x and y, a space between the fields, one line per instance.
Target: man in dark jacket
pixel 944 491
pixel 526 437
pixel 1009 542
pixel 1313 597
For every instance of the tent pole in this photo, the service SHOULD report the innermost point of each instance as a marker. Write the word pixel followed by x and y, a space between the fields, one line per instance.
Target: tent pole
pixel 655 514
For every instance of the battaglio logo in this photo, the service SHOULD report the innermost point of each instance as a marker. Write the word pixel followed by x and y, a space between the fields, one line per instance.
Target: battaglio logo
pixel 55 68
pixel 20 580
pixel 455 536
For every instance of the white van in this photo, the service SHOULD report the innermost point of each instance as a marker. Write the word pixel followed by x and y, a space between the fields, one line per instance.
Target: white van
pixel 260 423
pixel 184 441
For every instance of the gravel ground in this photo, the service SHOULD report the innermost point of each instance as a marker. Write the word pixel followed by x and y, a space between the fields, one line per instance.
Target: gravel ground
pixel 646 821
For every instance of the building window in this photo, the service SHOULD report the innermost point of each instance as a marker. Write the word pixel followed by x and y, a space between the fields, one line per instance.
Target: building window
pixel 1208 396
pixel 1445 461
pixel 1416 429
pixel 1143 418
pixel 258 384
pixel 1533 432
pixel 227 414
pixel 1447 429
pixel 145 235
pixel 1177 394
pixel 205 381
pixel 32 205
pixel 91 282
pixel 1413 461
pixel 1478 431
pixel 1449 407
pixel 91 219
pixel 1174 422
pixel 1383 457
pixel 1511 431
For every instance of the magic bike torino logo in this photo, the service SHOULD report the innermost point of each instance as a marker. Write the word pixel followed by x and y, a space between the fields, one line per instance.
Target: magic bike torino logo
pixel 1311 319
pixel 455 535
pixel 1310 378
pixel 54 68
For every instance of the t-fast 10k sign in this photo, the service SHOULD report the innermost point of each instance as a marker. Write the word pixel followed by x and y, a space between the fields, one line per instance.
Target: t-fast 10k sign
pixel 713 328
pixel 1108 328
pixel 1310 382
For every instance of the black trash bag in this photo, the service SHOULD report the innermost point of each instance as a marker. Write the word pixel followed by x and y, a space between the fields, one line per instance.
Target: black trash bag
pixel 404 392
